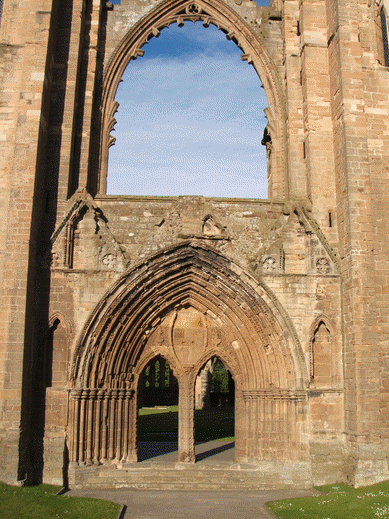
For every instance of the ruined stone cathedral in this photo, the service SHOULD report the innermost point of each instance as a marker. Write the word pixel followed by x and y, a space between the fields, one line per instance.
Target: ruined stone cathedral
pixel 290 293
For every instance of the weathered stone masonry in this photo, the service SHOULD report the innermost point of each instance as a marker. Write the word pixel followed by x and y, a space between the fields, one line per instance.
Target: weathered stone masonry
pixel 291 293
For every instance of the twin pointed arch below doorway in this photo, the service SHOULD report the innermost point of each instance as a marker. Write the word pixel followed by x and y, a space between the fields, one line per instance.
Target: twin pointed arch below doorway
pixel 254 52
pixel 187 304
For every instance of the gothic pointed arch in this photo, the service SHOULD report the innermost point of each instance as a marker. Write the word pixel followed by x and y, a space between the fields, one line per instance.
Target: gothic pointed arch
pixel 323 353
pixel 156 379
pixel 186 303
pixel 58 316
pixel 56 361
pixel 254 52
pixel 189 275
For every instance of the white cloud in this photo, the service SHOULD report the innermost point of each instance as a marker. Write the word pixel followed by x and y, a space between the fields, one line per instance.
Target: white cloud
pixel 190 126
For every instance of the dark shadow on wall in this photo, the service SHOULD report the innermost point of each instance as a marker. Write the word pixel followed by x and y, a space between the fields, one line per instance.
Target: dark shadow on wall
pixel 44 211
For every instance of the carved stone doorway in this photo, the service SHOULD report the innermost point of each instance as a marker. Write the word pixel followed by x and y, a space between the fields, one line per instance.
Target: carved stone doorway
pixel 157 400
pixel 214 411
pixel 187 308
pixel 185 339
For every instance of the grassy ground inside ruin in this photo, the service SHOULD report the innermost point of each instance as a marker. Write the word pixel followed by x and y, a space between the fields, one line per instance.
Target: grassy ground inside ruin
pixel 39 502
pixel 161 424
pixel 337 502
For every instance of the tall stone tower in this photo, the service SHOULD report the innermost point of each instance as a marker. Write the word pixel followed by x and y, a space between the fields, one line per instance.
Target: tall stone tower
pixel 291 293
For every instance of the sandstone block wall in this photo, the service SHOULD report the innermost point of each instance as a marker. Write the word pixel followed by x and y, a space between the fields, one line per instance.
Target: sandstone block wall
pixel 308 268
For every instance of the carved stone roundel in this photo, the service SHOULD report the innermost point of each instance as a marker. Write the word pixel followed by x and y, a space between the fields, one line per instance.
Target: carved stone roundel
pixel 269 264
pixel 323 266
pixel 193 9
pixel 109 261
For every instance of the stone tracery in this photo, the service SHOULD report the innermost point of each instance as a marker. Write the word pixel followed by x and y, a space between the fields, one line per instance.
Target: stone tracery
pixel 220 15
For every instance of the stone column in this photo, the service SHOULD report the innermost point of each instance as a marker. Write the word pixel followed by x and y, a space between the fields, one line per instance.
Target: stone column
pixel 75 424
pixel 90 416
pixel 97 427
pixel 186 450
pixel 120 425
pixel 204 385
pixel 111 426
pixel 131 403
pixel 81 437
pixel 104 428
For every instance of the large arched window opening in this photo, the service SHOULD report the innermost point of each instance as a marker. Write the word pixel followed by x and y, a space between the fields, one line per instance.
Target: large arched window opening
pixel 190 120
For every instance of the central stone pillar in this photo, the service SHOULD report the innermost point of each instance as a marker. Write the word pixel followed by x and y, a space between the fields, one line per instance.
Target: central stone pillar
pixel 186 447
pixel 131 417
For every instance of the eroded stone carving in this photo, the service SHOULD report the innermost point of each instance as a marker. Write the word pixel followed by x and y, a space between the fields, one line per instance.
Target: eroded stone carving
pixel 269 264
pixel 109 261
pixel 211 227
pixel 55 259
pixel 87 240
pixel 323 266
pixel 189 335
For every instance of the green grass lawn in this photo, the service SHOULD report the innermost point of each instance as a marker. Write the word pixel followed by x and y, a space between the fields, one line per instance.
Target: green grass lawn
pixel 158 424
pixel 216 423
pixel 162 424
pixel 40 502
pixel 338 502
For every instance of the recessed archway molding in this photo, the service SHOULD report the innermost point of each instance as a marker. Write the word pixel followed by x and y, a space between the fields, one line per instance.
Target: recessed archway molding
pixel 194 274
pixel 193 287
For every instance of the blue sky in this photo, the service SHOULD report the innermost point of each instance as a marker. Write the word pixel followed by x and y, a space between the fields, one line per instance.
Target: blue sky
pixel 190 120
